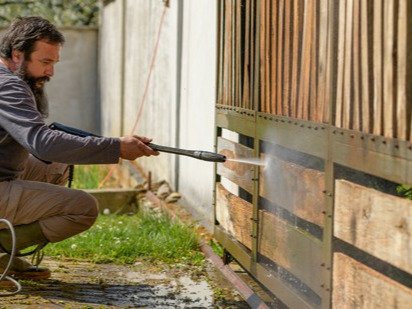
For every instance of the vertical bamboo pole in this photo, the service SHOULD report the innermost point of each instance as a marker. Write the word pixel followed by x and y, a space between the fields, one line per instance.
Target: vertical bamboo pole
pixel 234 52
pixel 306 52
pixel 340 61
pixel 295 59
pixel 347 82
pixel 246 66
pixel 364 49
pixel 238 93
pixel 377 67
pixel 263 83
pixel 268 59
pixel 221 53
pixel 253 95
pixel 356 68
pixel 280 58
pixel 313 67
pixel 227 60
pixel 273 48
pixel 322 62
pixel 388 87
pixel 286 63
pixel 228 53
pixel 401 110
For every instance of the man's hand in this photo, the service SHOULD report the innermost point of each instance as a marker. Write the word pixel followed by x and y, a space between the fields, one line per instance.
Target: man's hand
pixel 133 147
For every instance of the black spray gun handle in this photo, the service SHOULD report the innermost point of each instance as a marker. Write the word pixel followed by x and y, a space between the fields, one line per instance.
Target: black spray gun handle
pixel 197 154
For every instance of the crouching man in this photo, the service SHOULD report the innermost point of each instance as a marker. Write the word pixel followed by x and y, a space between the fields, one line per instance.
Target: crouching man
pixel 32 197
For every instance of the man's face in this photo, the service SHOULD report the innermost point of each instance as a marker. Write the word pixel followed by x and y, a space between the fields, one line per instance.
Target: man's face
pixel 38 70
pixel 40 66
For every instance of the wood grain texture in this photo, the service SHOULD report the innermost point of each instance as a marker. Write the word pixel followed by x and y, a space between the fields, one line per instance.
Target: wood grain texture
pixel 233 214
pixel 355 110
pixel 263 42
pixel 377 67
pixel 246 66
pixel 358 286
pixel 364 79
pixel 239 173
pixel 388 66
pixel 401 109
pixel 280 64
pixel 295 60
pixel 377 223
pixel 295 188
pixel 340 63
pixel 278 240
pixel 348 66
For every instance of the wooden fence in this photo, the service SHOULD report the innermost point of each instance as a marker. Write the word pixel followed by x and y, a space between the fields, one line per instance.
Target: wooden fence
pixel 321 91
pixel 356 54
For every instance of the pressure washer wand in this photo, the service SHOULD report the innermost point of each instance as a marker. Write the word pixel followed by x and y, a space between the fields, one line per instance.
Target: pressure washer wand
pixel 197 154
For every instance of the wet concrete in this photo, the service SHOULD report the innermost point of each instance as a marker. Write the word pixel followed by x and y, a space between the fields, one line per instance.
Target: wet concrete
pixel 143 285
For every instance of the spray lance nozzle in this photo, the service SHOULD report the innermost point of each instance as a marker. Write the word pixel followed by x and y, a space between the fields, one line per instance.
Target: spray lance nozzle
pixel 197 154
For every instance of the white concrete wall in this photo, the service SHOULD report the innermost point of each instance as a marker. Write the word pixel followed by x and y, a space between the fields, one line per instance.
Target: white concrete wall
pixel 159 106
pixel 179 107
pixel 197 103
pixel 110 77
pixel 73 91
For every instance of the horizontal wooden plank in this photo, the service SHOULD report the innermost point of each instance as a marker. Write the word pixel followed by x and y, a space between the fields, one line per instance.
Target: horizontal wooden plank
pixel 234 215
pixel 291 248
pixel 262 274
pixel 375 222
pixel 383 157
pixel 295 188
pixel 300 135
pixel 239 173
pixel 279 241
pixel 358 286
pixel 236 120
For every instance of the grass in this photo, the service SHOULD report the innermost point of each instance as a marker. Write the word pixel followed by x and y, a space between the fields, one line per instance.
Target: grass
pixel 123 239
pixel 89 176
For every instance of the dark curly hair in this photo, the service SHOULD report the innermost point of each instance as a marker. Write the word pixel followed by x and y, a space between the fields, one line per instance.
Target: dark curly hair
pixel 23 33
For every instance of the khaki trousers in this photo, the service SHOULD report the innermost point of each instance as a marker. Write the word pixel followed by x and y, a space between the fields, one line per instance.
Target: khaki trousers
pixel 38 195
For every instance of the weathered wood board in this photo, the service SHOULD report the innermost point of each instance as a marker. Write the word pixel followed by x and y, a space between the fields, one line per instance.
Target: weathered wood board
pixel 375 222
pixel 234 215
pixel 239 173
pixel 296 188
pixel 358 286
pixel 279 241
pixel 290 248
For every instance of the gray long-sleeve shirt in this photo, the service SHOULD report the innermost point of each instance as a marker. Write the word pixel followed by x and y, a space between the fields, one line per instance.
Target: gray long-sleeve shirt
pixel 23 131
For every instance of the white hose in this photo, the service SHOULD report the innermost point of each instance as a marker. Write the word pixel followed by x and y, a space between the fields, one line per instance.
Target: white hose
pixel 4 276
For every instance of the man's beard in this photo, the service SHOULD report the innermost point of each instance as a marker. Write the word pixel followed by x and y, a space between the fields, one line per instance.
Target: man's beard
pixel 36 85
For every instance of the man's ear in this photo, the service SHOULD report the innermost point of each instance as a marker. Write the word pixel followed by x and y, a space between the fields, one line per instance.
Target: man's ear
pixel 17 57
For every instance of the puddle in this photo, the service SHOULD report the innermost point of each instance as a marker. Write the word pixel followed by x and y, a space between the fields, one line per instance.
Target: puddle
pixel 85 285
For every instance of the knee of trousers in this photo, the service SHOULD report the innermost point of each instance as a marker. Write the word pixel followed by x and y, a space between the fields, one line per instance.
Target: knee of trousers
pixel 86 207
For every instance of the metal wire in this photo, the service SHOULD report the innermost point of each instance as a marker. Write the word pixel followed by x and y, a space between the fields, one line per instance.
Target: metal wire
pixel 4 276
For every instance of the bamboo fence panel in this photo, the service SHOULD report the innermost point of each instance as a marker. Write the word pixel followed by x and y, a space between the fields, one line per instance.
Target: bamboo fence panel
pixel 369 52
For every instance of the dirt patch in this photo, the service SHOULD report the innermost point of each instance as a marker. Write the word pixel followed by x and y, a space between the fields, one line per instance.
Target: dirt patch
pixel 143 285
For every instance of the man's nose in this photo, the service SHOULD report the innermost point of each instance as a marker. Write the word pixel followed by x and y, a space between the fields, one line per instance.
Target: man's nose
pixel 49 72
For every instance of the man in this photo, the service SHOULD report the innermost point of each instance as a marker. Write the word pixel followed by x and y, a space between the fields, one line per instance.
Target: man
pixel 30 198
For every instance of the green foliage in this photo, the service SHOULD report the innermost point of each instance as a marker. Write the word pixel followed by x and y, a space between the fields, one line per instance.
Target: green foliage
pixel 216 247
pixel 59 12
pixel 122 239
pixel 89 176
pixel 405 190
